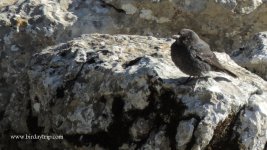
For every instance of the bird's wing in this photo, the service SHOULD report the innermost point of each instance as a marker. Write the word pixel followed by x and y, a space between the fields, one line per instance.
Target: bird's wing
pixel 202 51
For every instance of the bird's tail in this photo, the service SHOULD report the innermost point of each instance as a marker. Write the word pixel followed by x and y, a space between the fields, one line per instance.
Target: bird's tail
pixel 230 73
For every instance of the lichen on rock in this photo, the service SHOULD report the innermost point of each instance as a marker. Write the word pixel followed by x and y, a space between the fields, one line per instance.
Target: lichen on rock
pixel 120 91
pixel 125 89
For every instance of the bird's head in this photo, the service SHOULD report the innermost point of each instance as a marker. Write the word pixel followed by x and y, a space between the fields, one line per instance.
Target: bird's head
pixel 187 36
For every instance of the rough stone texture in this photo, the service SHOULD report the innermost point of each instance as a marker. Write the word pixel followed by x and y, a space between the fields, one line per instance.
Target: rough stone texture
pixel 223 23
pixel 231 20
pixel 124 92
pixel 25 28
pixel 29 26
pixel 253 55
pixel 251 126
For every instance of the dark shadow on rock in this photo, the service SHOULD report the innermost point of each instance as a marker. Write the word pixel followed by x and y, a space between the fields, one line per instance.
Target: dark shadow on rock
pixel 181 81
pixel 218 79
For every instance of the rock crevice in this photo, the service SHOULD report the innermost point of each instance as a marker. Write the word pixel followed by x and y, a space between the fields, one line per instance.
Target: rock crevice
pixel 120 92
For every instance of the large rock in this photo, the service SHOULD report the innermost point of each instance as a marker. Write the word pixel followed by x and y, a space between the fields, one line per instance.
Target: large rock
pixel 124 92
pixel 26 27
pixel 98 86
pixel 224 24
pixel 232 21
pixel 253 55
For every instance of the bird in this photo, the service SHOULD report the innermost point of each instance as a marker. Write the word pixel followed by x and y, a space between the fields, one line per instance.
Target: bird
pixel 193 56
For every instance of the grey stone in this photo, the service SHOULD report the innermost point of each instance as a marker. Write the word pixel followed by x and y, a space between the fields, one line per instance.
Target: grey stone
pixel 253 55
pixel 95 88
pixel 127 91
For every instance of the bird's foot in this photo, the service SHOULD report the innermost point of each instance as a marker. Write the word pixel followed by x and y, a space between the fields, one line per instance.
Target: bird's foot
pixel 186 81
pixel 206 78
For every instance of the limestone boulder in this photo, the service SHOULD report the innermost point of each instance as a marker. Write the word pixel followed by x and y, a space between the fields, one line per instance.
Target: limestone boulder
pixel 124 92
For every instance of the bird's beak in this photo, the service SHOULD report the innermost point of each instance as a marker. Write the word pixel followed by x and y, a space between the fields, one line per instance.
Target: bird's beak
pixel 176 37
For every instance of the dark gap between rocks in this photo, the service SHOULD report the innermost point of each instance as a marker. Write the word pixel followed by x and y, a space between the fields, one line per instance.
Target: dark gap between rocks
pixel 105 51
pixel 104 4
pixel 149 114
pixel 224 137
pixel 190 145
pixel 117 132
pixel 32 122
pixel 91 61
pixel 60 92
pixel 2 113
pixel 167 112
pixel 173 111
pixel 162 110
pixel 63 53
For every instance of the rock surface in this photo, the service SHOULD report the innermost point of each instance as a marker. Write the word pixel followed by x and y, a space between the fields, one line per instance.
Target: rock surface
pixel 124 92
pixel 253 55
pixel 28 26
pixel 231 20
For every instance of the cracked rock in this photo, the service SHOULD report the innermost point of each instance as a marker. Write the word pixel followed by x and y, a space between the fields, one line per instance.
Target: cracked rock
pixel 113 92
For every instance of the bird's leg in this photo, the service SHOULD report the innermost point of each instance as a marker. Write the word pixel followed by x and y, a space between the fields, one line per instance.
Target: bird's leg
pixel 195 85
pixel 186 81
pixel 206 78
